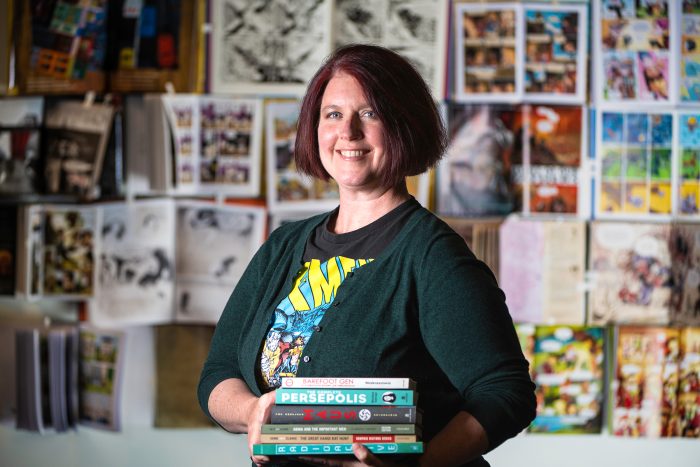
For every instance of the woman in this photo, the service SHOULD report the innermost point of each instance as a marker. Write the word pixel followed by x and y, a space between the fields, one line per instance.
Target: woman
pixel 414 301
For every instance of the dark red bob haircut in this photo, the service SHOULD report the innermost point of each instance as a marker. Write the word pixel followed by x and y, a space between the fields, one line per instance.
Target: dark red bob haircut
pixel 414 133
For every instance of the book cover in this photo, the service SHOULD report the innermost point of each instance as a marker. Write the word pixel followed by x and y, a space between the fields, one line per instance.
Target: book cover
pixel 335 449
pixel 335 439
pixel 76 139
pixel 323 414
pixel 20 162
pixel 354 383
pixel 630 268
pixel 328 396
pixel 136 276
pixel 215 243
pixel 568 368
pixel 101 374
pixel 349 428
pixel 688 189
pixel 687 421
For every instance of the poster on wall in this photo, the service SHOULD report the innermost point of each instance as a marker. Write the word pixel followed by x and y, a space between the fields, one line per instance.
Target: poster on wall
pixel 414 29
pixel 556 53
pixel 690 52
pixel 272 47
pixel 183 118
pixel 286 188
pixel 635 165
pixel 689 163
pixel 487 52
pixel 638 52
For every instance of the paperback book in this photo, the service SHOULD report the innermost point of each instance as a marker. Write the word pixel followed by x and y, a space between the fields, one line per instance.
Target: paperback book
pixel 351 383
pixel 339 429
pixel 323 414
pixel 335 449
pixel 329 396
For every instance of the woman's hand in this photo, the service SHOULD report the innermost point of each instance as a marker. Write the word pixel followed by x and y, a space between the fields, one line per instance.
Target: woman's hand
pixel 363 458
pixel 258 415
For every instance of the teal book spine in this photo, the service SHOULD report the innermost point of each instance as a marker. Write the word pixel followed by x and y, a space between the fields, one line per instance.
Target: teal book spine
pixel 334 449
pixel 294 396
pixel 397 429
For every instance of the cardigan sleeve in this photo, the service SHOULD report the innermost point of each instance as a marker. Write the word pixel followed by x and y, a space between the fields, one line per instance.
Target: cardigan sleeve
pixel 467 329
pixel 222 360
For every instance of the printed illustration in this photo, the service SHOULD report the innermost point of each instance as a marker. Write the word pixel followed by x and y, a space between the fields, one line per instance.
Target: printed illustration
pixel 20 121
pixel 690 51
pixel 689 170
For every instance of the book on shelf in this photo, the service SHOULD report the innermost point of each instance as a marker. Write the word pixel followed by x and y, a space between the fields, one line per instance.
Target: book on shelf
pixel 344 414
pixel 350 428
pixel 335 449
pixel 330 396
pixel 356 383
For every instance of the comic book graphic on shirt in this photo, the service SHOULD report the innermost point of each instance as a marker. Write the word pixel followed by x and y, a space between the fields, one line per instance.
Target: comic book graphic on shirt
pixel 568 370
pixel 298 315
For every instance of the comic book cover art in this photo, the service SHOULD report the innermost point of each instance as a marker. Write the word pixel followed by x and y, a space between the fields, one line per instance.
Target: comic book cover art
pixel 688 418
pixel 526 337
pixel 486 51
pixel 685 252
pixel 287 189
pixel 689 160
pixel 610 197
pixel 67 47
pixel 554 52
pixel 474 177
pixel 183 117
pixel 69 251
pixel 568 370
pixel 136 277
pixel 690 52
pixel 635 60
pixel 631 269
pixel 645 385
pixel 20 121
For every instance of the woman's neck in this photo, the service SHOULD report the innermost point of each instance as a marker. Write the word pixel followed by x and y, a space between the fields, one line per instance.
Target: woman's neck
pixel 358 210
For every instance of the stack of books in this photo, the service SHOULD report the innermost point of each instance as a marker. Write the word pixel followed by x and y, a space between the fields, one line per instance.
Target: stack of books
pixel 325 416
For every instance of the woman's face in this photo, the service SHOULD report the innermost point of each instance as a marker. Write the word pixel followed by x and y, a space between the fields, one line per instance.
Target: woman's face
pixel 350 136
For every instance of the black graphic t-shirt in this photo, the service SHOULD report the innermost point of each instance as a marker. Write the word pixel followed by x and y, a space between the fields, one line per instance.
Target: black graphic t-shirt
pixel 328 259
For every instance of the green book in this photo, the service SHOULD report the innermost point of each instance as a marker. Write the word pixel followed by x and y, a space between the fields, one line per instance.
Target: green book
pixel 334 449
pixel 341 429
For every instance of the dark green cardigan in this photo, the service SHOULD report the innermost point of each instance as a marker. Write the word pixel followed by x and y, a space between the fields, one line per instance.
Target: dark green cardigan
pixel 426 308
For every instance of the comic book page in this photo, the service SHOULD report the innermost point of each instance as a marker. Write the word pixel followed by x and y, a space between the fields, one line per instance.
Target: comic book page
pixel 474 177
pixel 101 374
pixel 645 384
pixel 487 52
pixel 687 421
pixel 215 243
pixel 231 142
pixel 182 112
pixel 556 45
pixel 76 141
pixel 136 277
pixel 269 48
pixel 689 161
pixel 287 189
pixel 635 165
pixel 547 166
pixel 414 28
pixel 568 369
pixel 20 122
pixel 690 52
pixel 685 296
pixel 637 51
pixel 630 266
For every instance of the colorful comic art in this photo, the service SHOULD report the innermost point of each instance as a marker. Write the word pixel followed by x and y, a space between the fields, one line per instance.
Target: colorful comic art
pixel 635 169
pixel 685 253
pixel 690 51
pixel 487 55
pixel 568 369
pixel 689 161
pixel 555 53
pixel 630 267
pixel 644 392
pixel 688 418
pixel 636 51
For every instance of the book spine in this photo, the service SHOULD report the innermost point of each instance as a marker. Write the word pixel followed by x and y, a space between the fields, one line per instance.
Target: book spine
pixel 343 414
pixel 294 396
pixel 336 439
pixel 330 449
pixel 349 383
pixel 368 428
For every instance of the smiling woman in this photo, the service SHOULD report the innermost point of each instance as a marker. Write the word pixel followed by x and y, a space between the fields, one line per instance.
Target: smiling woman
pixel 378 287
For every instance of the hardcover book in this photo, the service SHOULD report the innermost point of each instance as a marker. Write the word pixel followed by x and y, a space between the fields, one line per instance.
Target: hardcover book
pixel 335 449
pixel 335 439
pixel 329 396
pixel 356 383
pixel 350 428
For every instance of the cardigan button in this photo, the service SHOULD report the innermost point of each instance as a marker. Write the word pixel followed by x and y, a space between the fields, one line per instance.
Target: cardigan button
pixel 306 359
pixel 317 328
pixel 336 303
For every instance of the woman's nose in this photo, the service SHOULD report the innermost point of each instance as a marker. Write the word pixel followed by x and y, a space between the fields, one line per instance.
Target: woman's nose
pixel 351 128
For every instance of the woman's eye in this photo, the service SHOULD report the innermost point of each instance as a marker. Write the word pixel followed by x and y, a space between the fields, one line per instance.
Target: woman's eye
pixel 333 115
pixel 369 114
